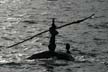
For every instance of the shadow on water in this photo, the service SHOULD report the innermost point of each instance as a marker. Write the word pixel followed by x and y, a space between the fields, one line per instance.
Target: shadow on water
pixel 11 64
pixel 50 65
pixel 47 64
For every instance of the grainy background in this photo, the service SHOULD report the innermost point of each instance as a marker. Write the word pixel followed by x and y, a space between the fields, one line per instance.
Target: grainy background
pixel 20 19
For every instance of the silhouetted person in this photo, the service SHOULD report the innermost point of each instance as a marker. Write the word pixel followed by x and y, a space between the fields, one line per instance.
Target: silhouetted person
pixel 53 33
pixel 51 52
pixel 67 48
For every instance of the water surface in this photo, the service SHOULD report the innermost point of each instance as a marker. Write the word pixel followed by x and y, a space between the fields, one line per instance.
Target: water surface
pixel 20 19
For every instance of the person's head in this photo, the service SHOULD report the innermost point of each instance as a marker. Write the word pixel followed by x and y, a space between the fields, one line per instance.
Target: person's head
pixel 67 48
pixel 53 22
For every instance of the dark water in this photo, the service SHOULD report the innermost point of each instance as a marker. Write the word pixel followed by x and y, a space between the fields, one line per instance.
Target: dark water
pixel 20 19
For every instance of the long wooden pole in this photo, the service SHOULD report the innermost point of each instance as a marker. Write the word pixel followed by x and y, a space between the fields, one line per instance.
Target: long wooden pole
pixel 75 22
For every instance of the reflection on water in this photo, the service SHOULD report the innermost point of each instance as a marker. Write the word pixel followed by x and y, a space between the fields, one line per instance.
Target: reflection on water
pixel 20 19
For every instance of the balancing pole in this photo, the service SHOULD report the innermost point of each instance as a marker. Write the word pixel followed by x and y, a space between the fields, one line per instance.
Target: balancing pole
pixel 75 22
